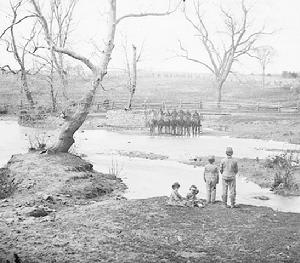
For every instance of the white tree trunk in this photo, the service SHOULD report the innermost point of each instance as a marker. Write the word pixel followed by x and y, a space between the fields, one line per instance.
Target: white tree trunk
pixel 133 77
pixel 73 123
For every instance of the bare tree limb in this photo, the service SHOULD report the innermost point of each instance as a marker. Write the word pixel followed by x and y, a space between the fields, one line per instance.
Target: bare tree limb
pixel 186 56
pixel 15 23
pixel 168 12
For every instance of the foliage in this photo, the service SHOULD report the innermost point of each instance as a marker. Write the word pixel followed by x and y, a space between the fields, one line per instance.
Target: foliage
pixel 284 166
pixel 290 74
pixel 37 141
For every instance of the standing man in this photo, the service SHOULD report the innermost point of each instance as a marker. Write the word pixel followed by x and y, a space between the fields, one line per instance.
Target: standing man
pixel 229 170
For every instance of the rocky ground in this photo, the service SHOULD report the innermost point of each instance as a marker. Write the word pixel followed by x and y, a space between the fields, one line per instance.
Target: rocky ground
pixel 58 209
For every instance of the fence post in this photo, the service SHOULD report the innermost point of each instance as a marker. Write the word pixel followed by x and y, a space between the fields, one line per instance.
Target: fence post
pixel 257 106
pixel 279 108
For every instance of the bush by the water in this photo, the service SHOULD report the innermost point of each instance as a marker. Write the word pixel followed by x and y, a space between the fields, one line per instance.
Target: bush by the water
pixel 284 166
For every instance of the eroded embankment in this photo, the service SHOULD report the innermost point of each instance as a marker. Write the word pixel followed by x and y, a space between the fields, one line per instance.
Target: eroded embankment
pixel 33 179
pixel 60 210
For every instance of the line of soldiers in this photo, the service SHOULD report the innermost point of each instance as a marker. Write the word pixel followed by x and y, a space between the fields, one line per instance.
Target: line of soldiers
pixel 175 123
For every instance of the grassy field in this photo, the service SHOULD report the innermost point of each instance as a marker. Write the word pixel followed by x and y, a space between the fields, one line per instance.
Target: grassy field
pixel 158 87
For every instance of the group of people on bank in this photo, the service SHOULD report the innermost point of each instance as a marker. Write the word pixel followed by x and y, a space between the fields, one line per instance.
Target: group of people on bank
pixel 175 122
pixel 227 170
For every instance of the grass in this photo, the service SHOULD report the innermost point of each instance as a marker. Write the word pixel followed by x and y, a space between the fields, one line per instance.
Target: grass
pixel 158 87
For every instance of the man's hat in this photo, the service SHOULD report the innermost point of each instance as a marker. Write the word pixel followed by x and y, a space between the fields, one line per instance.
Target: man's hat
pixel 229 151
pixel 175 185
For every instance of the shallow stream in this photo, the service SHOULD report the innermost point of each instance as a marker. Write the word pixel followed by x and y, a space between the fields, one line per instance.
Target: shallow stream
pixel 148 178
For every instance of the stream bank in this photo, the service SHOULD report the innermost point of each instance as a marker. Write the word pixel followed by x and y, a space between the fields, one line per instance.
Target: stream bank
pixel 61 210
pixel 256 171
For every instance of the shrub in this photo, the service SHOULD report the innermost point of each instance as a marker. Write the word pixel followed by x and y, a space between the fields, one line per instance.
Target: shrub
pixel 115 169
pixel 284 166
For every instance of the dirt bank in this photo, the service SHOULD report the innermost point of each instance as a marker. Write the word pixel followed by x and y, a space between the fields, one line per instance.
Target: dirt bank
pixel 256 171
pixel 34 179
pixel 61 210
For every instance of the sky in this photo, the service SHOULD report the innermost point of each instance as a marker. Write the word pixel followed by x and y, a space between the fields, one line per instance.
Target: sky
pixel 159 35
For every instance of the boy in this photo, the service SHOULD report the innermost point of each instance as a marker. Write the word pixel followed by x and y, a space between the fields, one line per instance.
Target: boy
pixel 175 197
pixel 191 197
pixel 229 170
pixel 211 178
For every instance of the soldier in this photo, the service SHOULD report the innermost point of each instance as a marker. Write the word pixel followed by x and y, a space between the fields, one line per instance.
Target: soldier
pixel 188 123
pixel 174 115
pixel 167 122
pixel 229 170
pixel 152 121
pixel 180 122
pixel 211 178
pixel 160 123
pixel 195 122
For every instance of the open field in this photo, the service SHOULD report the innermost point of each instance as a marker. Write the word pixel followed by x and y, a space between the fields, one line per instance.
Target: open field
pixel 158 87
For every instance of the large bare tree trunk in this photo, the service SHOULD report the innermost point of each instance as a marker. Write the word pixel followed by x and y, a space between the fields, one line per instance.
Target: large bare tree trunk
pixel 133 80
pixel 73 123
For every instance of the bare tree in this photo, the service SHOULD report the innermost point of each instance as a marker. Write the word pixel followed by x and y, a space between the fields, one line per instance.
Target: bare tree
pixel 240 40
pixel 131 72
pixel 19 50
pixel 74 122
pixel 60 24
pixel 264 55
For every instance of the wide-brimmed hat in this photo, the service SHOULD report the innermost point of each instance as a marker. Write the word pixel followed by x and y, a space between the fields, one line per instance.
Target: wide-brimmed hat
pixel 193 188
pixel 229 151
pixel 175 185
pixel 211 158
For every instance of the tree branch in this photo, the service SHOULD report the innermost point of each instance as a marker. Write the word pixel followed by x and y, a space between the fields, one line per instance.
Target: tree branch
pixel 186 56
pixel 168 12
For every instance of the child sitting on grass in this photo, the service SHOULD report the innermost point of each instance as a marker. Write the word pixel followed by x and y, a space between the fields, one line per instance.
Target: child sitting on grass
pixel 191 197
pixel 175 198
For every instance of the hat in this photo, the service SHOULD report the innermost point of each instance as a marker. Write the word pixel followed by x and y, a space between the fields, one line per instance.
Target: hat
pixel 193 187
pixel 211 158
pixel 229 151
pixel 175 185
